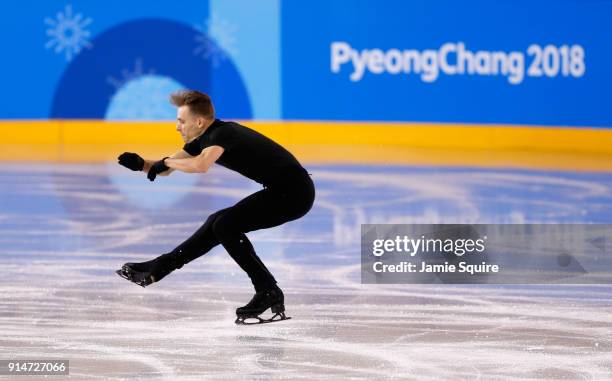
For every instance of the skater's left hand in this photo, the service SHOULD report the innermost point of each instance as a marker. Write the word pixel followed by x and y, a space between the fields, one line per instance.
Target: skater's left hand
pixel 157 168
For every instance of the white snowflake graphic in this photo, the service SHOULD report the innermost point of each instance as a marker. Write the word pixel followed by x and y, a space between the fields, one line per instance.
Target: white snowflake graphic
pixel 221 31
pixel 68 33
pixel 127 75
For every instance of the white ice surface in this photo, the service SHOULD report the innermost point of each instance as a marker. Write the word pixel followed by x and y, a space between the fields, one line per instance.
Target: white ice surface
pixel 65 229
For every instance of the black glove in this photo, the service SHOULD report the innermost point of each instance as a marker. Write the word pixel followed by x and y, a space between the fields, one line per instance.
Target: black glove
pixel 131 160
pixel 157 167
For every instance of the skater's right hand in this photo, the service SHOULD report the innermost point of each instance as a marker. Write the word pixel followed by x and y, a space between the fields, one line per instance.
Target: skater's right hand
pixel 132 161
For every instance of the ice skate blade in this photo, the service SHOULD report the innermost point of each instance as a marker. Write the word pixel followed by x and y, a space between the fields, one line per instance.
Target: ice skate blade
pixel 242 320
pixel 127 277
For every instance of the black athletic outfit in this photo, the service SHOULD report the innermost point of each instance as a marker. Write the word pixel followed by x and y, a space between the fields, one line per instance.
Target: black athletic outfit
pixel 288 194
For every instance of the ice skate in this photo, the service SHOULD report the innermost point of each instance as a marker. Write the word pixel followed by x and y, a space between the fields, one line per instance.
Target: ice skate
pixel 272 299
pixel 146 273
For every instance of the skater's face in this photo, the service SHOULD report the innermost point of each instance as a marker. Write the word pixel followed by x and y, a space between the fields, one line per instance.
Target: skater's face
pixel 189 124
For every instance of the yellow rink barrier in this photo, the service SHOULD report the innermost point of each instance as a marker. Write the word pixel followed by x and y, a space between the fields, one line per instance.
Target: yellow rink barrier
pixel 326 142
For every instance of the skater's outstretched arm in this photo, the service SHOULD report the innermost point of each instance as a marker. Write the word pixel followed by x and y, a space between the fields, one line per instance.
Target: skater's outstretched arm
pixel 197 164
pixel 177 155
pixel 134 162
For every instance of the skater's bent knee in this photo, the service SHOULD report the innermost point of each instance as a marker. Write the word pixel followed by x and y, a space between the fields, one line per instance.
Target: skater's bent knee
pixel 212 218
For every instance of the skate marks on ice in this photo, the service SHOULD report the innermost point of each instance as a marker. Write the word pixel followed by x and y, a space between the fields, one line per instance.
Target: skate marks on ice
pixel 185 331
pixel 65 229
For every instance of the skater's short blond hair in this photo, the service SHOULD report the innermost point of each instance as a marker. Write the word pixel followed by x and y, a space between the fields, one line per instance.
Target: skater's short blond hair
pixel 198 102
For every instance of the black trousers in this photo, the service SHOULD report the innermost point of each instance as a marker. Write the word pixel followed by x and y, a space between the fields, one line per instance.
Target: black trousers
pixel 287 199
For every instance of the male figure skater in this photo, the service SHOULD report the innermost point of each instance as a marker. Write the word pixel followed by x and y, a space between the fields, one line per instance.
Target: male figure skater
pixel 288 193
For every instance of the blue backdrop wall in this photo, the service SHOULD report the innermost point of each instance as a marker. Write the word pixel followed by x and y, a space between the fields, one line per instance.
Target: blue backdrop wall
pixel 542 62
pixel 477 61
